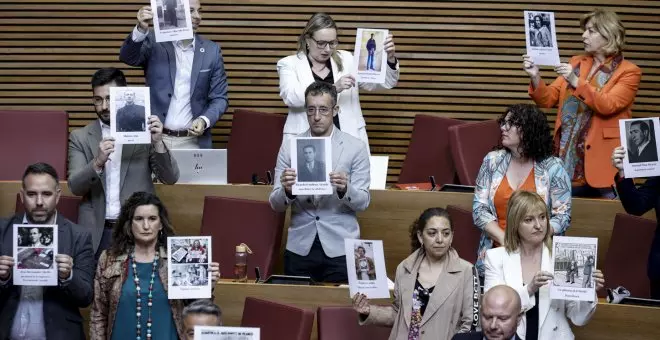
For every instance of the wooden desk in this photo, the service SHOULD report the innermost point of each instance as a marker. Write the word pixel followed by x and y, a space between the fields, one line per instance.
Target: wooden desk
pixel 388 218
pixel 613 322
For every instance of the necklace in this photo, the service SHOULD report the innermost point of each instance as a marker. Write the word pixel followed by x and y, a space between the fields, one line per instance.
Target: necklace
pixel 138 302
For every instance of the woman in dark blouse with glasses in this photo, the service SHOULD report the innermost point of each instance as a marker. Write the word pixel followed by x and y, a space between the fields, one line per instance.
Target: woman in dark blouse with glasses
pixel 318 59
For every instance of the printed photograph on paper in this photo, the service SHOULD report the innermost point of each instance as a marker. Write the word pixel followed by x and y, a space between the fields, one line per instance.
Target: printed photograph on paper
pixel 172 20
pixel 35 248
pixel 640 139
pixel 574 262
pixel 366 268
pixel 541 38
pixel 370 56
pixel 226 333
pixel 129 113
pixel 311 157
pixel 188 267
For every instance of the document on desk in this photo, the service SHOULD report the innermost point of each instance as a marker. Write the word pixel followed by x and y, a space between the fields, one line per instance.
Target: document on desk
pixel 226 333
pixel 640 138
pixel 365 263
pixel 35 248
pixel 311 158
pixel 573 263
pixel 188 267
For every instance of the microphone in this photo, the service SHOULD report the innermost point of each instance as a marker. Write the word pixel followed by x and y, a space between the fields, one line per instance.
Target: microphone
pixel 269 177
pixel 257 273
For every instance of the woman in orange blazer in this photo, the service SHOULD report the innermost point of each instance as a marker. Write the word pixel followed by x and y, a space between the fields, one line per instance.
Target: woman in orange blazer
pixel 592 92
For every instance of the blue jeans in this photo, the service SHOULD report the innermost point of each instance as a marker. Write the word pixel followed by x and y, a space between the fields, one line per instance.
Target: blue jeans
pixel 370 61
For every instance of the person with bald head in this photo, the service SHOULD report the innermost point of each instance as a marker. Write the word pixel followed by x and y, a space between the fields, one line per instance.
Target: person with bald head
pixel 500 315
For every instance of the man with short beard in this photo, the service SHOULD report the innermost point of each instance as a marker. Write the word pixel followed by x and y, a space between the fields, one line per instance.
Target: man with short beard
pixel 106 173
pixel 35 312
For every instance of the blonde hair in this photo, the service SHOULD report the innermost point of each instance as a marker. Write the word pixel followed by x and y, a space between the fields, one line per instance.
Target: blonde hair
pixel 520 205
pixel 316 23
pixel 608 24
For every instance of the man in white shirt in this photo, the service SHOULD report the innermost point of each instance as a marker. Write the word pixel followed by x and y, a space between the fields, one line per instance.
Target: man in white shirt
pixel 644 144
pixel 106 173
pixel 187 80
pixel 43 313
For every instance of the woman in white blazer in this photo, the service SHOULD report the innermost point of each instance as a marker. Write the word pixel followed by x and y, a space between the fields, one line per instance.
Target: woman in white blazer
pixel 525 264
pixel 319 60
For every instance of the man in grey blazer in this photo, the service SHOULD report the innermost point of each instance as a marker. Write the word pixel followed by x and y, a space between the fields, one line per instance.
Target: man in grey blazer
pixel 52 312
pixel 319 224
pixel 187 80
pixel 105 173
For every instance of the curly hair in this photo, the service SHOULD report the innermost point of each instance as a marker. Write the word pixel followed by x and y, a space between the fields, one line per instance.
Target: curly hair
pixel 420 223
pixel 535 137
pixel 122 233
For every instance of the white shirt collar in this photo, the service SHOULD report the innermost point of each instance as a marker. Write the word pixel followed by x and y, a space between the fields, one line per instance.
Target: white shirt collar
pixel 179 44
pixel 641 147
pixel 103 125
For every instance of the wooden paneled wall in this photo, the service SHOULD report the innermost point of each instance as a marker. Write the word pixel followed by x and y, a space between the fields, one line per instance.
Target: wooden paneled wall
pixel 459 59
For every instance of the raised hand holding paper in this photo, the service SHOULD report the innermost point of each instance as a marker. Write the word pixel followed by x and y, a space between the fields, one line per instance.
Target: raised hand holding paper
pixel 129 112
pixel 311 157
pixel 189 275
pixel 370 56
pixel 35 249
pixel 640 139
pixel 172 20
pixel 574 263
pixel 541 38
pixel 365 263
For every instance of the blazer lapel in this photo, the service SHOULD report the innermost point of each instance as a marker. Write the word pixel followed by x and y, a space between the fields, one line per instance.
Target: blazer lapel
pixel 406 286
pixel 513 270
pixel 305 72
pixel 171 56
pixel 198 61
pixel 126 156
pixel 337 149
pixel 94 137
pixel 446 284
pixel 544 292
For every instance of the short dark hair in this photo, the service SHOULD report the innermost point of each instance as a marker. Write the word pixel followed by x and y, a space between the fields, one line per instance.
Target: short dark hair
pixel 642 125
pixel 309 146
pixel 318 88
pixel 40 169
pixel 420 224
pixel 535 139
pixel 203 306
pixel 108 75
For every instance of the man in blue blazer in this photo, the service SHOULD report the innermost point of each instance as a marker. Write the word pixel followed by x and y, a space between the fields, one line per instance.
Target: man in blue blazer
pixel 187 80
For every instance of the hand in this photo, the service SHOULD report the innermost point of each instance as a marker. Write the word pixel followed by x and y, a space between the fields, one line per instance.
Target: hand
pixel 64 265
pixel 390 49
pixel 566 71
pixel 361 304
pixel 340 181
pixel 215 272
pixel 529 66
pixel 617 159
pixel 288 179
pixel 106 147
pixel 156 128
pixel 198 127
pixel 144 17
pixel 345 83
pixel 540 279
pixel 599 278
pixel 6 264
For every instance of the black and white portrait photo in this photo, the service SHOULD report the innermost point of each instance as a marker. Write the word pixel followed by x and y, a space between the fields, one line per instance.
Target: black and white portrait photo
pixel 171 14
pixel 365 269
pixel 641 141
pixel 131 113
pixel 540 29
pixel 34 236
pixel 311 164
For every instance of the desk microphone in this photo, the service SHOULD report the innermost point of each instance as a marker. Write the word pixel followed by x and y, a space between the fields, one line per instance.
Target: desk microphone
pixel 257 273
pixel 269 177
pixel 433 184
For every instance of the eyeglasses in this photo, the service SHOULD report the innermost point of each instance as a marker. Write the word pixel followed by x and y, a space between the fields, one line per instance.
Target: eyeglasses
pixel 323 111
pixel 98 101
pixel 322 44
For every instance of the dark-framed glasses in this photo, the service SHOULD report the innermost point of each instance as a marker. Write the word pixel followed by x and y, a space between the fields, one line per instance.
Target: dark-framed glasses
pixel 323 44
